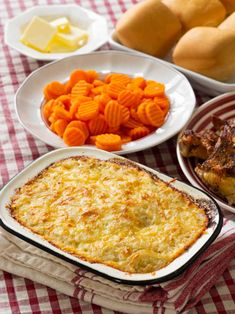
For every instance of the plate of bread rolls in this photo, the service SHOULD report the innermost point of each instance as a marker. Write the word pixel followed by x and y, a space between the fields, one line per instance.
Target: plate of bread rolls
pixel 196 37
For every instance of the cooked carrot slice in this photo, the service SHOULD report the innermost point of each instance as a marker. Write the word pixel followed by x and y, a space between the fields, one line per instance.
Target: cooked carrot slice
pixel 91 140
pixel 97 83
pixel 113 113
pixel 154 114
pixel 125 114
pixel 125 139
pixel 52 118
pixel 138 132
pixel 120 78
pixel 109 148
pixel 47 108
pixel 87 110
pixel 68 87
pixel 127 98
pixel 134 114
pixel 97 90
pixel 152 90
pixel 61 113
pixel 141 111
pixel 131 123
pixel 98 125
pixel 66 100
pixel 139 82
pixel 114 89
pixel 80 125
pixel 91 75
pixel 54 90
pixel 76 76
pixel 108 142
pixel 114 130
pixel 82 88
pixel 73 137
pixel 163 103
pixel 59 126
pixel 76 103
pixel 102 99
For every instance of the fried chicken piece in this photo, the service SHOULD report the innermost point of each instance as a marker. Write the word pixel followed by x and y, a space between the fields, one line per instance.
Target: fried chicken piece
pixel 218 171
pixel 199 145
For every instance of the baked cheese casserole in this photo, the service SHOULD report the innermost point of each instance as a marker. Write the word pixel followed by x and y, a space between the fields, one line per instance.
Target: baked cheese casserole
pixel 110 212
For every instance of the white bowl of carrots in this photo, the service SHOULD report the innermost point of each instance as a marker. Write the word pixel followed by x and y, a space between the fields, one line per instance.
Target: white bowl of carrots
pixel 116 101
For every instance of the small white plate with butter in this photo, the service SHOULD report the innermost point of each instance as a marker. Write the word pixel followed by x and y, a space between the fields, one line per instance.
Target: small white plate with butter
pixel 67 30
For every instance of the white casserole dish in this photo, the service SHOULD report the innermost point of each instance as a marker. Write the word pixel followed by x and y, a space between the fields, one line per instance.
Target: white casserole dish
pixel 164 274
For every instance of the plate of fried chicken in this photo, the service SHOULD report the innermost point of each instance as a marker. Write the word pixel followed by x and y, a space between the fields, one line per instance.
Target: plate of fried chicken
pixel 206 149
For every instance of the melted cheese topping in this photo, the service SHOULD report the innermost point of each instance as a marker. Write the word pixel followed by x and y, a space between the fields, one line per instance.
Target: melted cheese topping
pixel 111 213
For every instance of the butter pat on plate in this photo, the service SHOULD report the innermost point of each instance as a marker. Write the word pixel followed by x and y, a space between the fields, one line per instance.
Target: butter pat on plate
pixel 38 34
pixel 75 39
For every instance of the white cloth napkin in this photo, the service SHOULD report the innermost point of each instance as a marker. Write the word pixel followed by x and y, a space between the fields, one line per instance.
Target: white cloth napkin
pixel 177 295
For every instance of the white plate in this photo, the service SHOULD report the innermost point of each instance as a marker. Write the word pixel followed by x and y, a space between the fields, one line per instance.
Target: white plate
pixel 200 82
pixel 166 273
pixel 29 97
pixel 95 25
pixel 223 107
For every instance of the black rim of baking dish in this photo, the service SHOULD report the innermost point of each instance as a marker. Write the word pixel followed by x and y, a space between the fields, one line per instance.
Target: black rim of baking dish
pixel 115 279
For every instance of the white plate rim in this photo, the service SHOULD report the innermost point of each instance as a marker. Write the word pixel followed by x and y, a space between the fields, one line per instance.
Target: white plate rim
pixel 121 53
pixel 181 159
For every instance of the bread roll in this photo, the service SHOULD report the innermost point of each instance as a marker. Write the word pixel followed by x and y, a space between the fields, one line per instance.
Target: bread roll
pixel 194 13
pixel 207 50
pixel 149 27
pixel 229 5
pixel 228 23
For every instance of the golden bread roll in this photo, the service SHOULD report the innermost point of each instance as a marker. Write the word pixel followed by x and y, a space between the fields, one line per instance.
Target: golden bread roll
pixel 207 50
pixel 229 5
pixel 228 23
pixel 194 13
pixel 149 27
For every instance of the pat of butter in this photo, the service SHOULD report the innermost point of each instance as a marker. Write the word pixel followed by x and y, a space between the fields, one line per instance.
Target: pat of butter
pixel 62 24
pixel 38 34
pixel 76 38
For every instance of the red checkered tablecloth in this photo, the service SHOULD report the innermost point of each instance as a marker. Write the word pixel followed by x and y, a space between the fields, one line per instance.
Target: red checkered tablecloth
pixel 18 148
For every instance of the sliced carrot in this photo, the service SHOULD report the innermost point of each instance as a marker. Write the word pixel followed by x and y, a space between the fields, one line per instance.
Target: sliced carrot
pixel 134 115
pixel 139 82
pixel 68 87
pixel 91 75
pixel 82 88
pixel 127 98
pixel 125 139
pixel 76 76
pixel 109 148
pixel 154 114
pixel 131 123
pixel 114 130
pixel 163 103
pixel 91 140
pixel 138 132
pixel 125 114
pixel 153 90
pixel 108 142
pixel 66 100
pixel 52 118
pixel 141 111
pixel 114 89
pixel 97 90
pixel 73 137
pixel 120 78
pixel 59 126
pixel 97 83
pixel 80 125
pixel 76 103
pixel 98 125
pixel 47 108
pixel 102 99
pixel 61 113
pixel 87 110
pixel 54 90
pixel 113 113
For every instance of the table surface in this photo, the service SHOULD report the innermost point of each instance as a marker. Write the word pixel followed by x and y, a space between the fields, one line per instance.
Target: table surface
pixel 18 148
